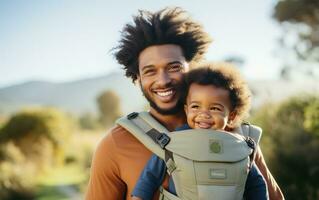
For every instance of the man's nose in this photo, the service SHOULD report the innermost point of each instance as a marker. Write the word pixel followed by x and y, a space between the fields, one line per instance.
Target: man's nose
pixel 163 79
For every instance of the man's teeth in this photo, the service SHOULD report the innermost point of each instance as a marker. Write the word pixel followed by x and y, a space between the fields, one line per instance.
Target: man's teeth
pixel 164 94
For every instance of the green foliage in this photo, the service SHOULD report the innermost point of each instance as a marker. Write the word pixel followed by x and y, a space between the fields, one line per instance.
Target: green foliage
pixel 109 107
pixel 50 193
pixel 16 173
pixel 30 143
pixel 301 12
pixel 88 121
pixel 290 142
pixel 47 122
pixel 311 122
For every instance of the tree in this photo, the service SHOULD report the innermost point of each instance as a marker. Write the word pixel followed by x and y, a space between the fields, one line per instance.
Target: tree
pixel 290 144
pixel 236 60
pixel 88 121
pixel 109 107
pixel 300 21
pixel 301 13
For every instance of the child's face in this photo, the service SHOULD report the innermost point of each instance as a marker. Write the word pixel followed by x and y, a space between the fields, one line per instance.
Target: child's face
pixel 208 107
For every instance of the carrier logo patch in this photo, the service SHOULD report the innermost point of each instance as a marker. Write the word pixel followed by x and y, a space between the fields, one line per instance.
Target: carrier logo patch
pixel 215 146
pixel 217 173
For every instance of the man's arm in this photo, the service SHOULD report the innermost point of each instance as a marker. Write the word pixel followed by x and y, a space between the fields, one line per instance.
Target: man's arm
pixel 273 188
pixel 105 182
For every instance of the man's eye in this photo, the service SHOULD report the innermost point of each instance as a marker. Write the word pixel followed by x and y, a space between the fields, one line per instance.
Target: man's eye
pixel 148 72
pixel 175 68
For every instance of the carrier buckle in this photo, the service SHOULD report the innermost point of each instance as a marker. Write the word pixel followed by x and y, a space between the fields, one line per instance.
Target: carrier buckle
pixel 251 143
pixel 132 115
pixel 163 139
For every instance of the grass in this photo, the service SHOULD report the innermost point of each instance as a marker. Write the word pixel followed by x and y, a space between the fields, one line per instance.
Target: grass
pixel 50 193
pixel 60 183
pixel 66 175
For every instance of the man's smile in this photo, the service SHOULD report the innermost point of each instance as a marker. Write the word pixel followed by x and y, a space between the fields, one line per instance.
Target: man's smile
pixel 165 95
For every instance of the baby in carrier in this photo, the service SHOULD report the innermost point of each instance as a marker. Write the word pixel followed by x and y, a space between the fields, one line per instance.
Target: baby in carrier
pixel 217 98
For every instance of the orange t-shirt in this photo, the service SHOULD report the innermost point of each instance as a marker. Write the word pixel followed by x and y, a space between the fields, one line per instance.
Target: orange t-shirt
pixel 117 164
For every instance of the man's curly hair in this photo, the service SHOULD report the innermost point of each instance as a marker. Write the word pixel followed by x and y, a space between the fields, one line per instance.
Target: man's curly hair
pixel 167 26
pixel 226 76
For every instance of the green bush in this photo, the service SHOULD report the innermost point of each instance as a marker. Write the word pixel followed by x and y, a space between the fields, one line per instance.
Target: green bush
pixel 311 122
pixel 30 142
pixel 88 121
pixel 291 144
pixel 48 122
pixel 16 174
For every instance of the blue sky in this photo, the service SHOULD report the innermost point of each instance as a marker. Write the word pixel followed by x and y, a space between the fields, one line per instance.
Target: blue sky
pixel 69 40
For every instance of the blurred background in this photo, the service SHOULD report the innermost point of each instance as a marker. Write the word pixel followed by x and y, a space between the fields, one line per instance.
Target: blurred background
pixel 61 88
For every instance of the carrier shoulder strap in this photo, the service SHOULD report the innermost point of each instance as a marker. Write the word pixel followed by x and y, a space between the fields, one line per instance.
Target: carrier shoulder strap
pixel 147 130
pixel 252 131
pixel 151 133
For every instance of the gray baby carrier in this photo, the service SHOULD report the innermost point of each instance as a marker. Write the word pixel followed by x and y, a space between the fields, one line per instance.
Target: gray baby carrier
pixel 204 164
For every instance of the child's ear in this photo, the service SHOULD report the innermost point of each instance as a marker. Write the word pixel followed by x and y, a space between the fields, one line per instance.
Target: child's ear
pixel 231 118
pixel 185 108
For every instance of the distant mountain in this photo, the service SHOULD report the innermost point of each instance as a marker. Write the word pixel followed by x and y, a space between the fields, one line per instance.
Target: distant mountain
pixel 275 91
pixel 80 96
pixel 76 97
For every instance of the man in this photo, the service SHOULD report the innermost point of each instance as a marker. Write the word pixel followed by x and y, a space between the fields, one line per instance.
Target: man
pixel 156 50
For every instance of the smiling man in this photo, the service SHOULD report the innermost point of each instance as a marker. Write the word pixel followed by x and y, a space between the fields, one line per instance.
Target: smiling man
pixel 155 50
pixel 161 70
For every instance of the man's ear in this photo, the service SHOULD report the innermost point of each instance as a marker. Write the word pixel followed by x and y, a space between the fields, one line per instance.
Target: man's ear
pixel 138 80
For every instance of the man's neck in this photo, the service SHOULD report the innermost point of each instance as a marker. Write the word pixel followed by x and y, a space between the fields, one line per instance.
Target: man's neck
pixel 171 122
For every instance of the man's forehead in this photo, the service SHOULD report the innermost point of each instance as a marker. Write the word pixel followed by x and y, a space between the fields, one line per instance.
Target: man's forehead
pixel 161 55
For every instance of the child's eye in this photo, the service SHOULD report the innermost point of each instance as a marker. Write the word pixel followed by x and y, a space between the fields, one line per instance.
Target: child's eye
pixel 194 106
pixel 215 108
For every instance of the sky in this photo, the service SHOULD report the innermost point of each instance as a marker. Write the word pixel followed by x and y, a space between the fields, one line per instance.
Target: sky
pixel 62 41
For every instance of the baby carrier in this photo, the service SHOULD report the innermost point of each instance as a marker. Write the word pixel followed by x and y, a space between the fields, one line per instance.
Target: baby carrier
pixel 204 164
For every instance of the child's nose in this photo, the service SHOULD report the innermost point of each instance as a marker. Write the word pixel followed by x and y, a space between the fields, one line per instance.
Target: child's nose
pixel 205 114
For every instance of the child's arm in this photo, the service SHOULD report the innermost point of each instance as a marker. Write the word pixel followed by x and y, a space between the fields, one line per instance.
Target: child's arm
pixel 150 179
pixel 255 187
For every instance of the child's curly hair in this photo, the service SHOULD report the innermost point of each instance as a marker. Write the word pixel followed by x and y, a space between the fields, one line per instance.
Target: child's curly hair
pixel 226 76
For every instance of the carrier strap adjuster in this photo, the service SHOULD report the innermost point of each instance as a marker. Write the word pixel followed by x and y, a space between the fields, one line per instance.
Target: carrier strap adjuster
pixel 162 139
pixel 251 143
pixel 132 115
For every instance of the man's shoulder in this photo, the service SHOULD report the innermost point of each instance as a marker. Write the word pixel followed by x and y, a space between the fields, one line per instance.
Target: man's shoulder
pixel 118 131
pixel 118 136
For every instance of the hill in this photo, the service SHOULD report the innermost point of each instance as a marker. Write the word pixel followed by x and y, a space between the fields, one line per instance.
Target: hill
pixel 75 97
pixel 80 96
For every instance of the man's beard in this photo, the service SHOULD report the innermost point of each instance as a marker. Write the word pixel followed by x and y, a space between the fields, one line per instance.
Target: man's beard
pixel 176 109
